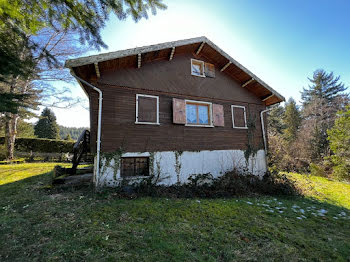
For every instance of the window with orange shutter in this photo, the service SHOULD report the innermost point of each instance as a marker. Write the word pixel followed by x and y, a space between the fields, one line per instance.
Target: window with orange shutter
pixel 198 113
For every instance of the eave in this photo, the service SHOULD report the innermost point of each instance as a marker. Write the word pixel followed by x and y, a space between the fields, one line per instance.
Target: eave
pixel 136 57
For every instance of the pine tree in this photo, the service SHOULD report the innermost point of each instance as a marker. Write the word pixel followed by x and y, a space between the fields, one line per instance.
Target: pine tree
pixel 339 138
pixel 323 86
pixel 291 120
pixel 68 138
pixel 275 125
pixel 321 101
pixel 20 19
pixel 47 127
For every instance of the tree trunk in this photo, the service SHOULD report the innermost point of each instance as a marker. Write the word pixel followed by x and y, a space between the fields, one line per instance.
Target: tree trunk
pixel 11 128
pixel 10 135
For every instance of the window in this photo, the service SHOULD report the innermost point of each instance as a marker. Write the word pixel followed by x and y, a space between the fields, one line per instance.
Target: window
pixel 147 109
pixel 239 119
pixel 197 68
pixel 134 166
pixel 198 113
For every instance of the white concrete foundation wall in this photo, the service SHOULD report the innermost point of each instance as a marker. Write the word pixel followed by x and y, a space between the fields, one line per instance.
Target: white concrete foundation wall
pixel 174 167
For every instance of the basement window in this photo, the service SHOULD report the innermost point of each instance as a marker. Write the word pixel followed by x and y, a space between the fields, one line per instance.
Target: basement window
pixel 147 109
pixel 239 118
pixel 198 113
pixel 134 166
pixel 197 68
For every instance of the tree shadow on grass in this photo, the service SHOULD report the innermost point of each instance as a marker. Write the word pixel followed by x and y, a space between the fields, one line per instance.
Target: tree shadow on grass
pixel 35 225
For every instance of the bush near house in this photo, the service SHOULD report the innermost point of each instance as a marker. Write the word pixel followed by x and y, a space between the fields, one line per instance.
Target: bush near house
pixel 234 183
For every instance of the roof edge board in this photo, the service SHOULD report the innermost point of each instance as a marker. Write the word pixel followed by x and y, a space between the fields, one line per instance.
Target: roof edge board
pixel 151 48
pixel 129 52
pixel 223 53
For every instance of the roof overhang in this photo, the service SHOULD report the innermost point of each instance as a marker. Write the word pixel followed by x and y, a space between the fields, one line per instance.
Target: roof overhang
pixel 196 45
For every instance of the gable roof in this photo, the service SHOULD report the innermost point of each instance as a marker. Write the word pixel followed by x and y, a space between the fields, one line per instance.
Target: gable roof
pixel 199 44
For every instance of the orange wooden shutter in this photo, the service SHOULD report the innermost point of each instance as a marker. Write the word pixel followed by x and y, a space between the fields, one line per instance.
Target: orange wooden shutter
pixel 209 70
pixel 218 115
pixel 179 111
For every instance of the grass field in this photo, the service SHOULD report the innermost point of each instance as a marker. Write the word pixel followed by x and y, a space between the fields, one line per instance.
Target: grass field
pixel 41 224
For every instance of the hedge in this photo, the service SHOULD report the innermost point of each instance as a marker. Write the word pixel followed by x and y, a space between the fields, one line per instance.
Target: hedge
pixel 41 145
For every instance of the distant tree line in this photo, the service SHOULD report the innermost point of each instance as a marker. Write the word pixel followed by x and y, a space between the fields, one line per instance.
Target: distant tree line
pixel 313 137
pixel 70 132
pixel 45 127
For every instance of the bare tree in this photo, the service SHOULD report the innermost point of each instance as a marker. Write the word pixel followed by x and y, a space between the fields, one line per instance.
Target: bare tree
pixel 42 88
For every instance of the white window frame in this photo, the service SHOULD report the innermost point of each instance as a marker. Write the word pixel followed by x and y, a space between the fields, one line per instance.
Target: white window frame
pixel 137 110
pixel 203 69
pixel 210 113
pixel 233 117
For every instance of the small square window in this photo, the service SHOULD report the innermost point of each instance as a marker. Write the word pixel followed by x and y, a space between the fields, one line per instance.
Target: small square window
pixel 134 166
pixel 197 68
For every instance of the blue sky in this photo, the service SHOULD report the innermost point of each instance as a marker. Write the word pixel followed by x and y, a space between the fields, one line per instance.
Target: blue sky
pixel 282 42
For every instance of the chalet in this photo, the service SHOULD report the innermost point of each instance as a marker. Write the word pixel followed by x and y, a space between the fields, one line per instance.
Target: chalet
pixel 172 110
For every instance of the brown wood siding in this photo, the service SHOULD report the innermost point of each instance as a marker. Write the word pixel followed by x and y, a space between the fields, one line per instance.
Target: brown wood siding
pixel 119 128
pixel 175 77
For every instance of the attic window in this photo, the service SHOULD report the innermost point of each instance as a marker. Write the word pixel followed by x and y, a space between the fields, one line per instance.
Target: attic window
pixel 197 68
pixel 134 166
pixel 147 109
pixel 239 118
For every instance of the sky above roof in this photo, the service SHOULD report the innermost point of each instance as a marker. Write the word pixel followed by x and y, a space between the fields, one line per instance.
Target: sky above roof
pixel 282 42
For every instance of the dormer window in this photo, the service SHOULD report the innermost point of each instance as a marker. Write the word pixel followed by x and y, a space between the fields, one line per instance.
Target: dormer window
pixel 197 68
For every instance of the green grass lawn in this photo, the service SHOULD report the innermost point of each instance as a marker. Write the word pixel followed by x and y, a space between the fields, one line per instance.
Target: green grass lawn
pixel 76 225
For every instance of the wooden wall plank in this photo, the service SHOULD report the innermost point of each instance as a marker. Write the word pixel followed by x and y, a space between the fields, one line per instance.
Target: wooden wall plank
pixel 119 128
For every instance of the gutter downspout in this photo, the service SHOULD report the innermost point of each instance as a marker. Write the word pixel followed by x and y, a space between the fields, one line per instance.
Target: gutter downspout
pixel 98 123
pixel 263 131
pixel 263 127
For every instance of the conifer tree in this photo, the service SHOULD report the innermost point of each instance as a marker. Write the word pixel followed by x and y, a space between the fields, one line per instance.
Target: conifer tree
pixel 47 126
pixel 275 125
pixel 321 101
pixel 291 120
pixel 323 86
pixel 21 19
pixel 68 138
pixel 339 138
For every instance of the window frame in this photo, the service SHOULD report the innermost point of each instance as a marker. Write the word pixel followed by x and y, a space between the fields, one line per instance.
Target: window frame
pixel 134 156
pixel 210 113
pixel 137 110
pixel 201 63
pixel 233 117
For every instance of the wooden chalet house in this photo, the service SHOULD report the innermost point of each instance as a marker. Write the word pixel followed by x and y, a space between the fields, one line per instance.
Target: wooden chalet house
pixel 173 110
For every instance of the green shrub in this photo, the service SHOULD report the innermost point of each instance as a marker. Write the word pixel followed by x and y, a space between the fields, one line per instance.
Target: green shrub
pixel 41 145
pixel 341 172
pixel 231 184
pixel 317 170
